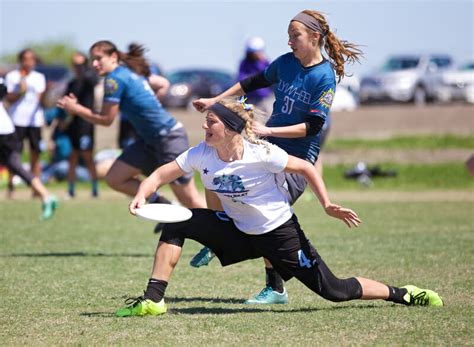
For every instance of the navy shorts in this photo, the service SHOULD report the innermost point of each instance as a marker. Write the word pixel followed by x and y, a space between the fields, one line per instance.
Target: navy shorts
pixel 33 134
pixel 148 157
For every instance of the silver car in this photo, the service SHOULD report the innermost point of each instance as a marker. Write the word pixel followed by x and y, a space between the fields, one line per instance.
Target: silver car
pixel 405 78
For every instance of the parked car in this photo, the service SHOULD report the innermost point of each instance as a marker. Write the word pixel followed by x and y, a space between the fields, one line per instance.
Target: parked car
pixel 406 78
pixel 57 78
pixel 457 84
pixel 187 85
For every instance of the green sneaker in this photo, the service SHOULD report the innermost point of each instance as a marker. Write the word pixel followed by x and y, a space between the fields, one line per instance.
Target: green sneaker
pixel 48 207
pixel 422 297
pixel 203 258
pixel 141 307
pixel 269 296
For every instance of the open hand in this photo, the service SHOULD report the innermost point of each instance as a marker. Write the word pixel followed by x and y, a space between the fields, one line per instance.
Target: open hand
pixel 346 215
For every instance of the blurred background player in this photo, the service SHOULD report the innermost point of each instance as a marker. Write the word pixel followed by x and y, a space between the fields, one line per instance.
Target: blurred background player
pixel 10 157
pixel 161 138
pixel 26 89
pixel 255 61
pixel 81 132
pixel 305 84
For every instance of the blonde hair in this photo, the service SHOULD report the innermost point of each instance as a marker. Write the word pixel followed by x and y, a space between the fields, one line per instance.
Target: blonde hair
pixel 339 51
pixel 250 115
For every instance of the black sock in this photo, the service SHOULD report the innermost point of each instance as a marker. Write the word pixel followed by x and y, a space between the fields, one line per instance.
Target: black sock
pixel 155 289
pixel 396 294
pixel 274 280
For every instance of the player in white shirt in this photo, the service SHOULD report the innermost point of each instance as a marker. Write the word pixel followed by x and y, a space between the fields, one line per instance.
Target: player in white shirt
pixel 258 220
pixel 26 88
pixel 10 157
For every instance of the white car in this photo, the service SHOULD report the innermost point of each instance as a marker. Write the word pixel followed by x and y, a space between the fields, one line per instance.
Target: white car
pixel 457 84
pixel 405 78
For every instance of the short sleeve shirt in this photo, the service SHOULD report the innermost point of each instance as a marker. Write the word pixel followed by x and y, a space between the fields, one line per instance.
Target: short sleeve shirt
pixel 247 188
pixel 300 92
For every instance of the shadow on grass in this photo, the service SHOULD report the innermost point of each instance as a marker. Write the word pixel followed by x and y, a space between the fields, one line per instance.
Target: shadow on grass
pixel 76 254
pixel 245 309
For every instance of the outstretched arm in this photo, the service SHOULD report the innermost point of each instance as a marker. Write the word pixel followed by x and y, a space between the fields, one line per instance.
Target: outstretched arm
pixel 299 166
pixel 204 103
pixel 163 175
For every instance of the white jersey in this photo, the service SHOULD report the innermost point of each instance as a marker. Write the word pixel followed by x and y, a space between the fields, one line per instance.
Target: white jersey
pixel 247 188
pixel 6 124
pixel 26 111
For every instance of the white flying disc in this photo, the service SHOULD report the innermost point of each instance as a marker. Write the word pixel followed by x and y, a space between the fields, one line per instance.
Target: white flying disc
pixel 164 213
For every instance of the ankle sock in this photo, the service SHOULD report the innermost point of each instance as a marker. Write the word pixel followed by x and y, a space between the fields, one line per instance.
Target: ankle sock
pixel 155 290
pixel 95 189
pixel 71 189
pixel 396 295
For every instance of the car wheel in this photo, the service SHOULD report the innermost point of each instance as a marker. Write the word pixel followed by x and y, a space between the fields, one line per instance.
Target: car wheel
pixel 419 96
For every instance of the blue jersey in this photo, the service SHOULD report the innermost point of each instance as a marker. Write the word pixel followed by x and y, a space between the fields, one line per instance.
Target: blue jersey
pixel 300 92
pixel 137 102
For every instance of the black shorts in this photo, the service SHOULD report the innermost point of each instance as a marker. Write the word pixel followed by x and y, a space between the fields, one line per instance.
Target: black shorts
pixel 148 157
pixel 8 144
pixel 81 134
pixel 287 248
pixel 33 134
pixel 82 141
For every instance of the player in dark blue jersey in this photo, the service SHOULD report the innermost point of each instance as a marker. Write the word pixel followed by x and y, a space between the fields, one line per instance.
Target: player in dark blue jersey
pixel 161 137
pixel 305 83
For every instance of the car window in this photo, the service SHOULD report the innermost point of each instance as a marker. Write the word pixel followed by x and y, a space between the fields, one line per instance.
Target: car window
pixel 401 63
pixel 467 67
pixel 441 61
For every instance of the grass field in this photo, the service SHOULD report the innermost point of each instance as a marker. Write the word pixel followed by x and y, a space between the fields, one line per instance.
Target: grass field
pixel 62 280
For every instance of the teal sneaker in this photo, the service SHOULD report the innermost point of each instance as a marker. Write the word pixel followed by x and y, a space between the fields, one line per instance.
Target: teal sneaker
pixel 48 207
pixel 269 296
pixel 422 297
pixel 141 307
pixel 203 258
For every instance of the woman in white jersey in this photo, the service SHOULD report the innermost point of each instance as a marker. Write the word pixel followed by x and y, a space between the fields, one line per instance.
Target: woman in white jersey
pixel 258 220
pixel 10 157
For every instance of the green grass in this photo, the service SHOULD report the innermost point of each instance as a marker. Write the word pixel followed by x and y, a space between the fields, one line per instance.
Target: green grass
pixel 409 177
pixel 405 142
pixel 62 280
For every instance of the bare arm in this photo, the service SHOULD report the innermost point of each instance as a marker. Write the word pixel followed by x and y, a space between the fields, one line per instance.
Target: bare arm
pixel 291 131
pixel 163 175
pixel 106 117
pixel 159 84
pixel 15 96
pixel 315 181
pixel 204 103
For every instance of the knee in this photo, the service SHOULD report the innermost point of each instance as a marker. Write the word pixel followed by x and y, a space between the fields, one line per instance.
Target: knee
pixel 338 290
pixel 112 180
pixel 173 234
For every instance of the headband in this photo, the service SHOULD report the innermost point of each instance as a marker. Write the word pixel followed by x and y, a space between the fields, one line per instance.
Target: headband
pixel 309 21
pixel 230 119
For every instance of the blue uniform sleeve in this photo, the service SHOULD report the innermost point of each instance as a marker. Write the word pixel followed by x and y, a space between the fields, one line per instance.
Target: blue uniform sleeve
pixel 113 89
pixel 323 101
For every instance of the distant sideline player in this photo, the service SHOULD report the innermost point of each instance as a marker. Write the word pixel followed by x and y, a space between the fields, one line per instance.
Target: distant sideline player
pixel 258 219
pixel 10 157
pixel 305 84
pixel 161 137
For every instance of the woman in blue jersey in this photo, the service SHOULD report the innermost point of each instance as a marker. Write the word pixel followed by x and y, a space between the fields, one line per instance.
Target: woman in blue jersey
pixel 304 84
pixel 258 219
pixel 161 137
